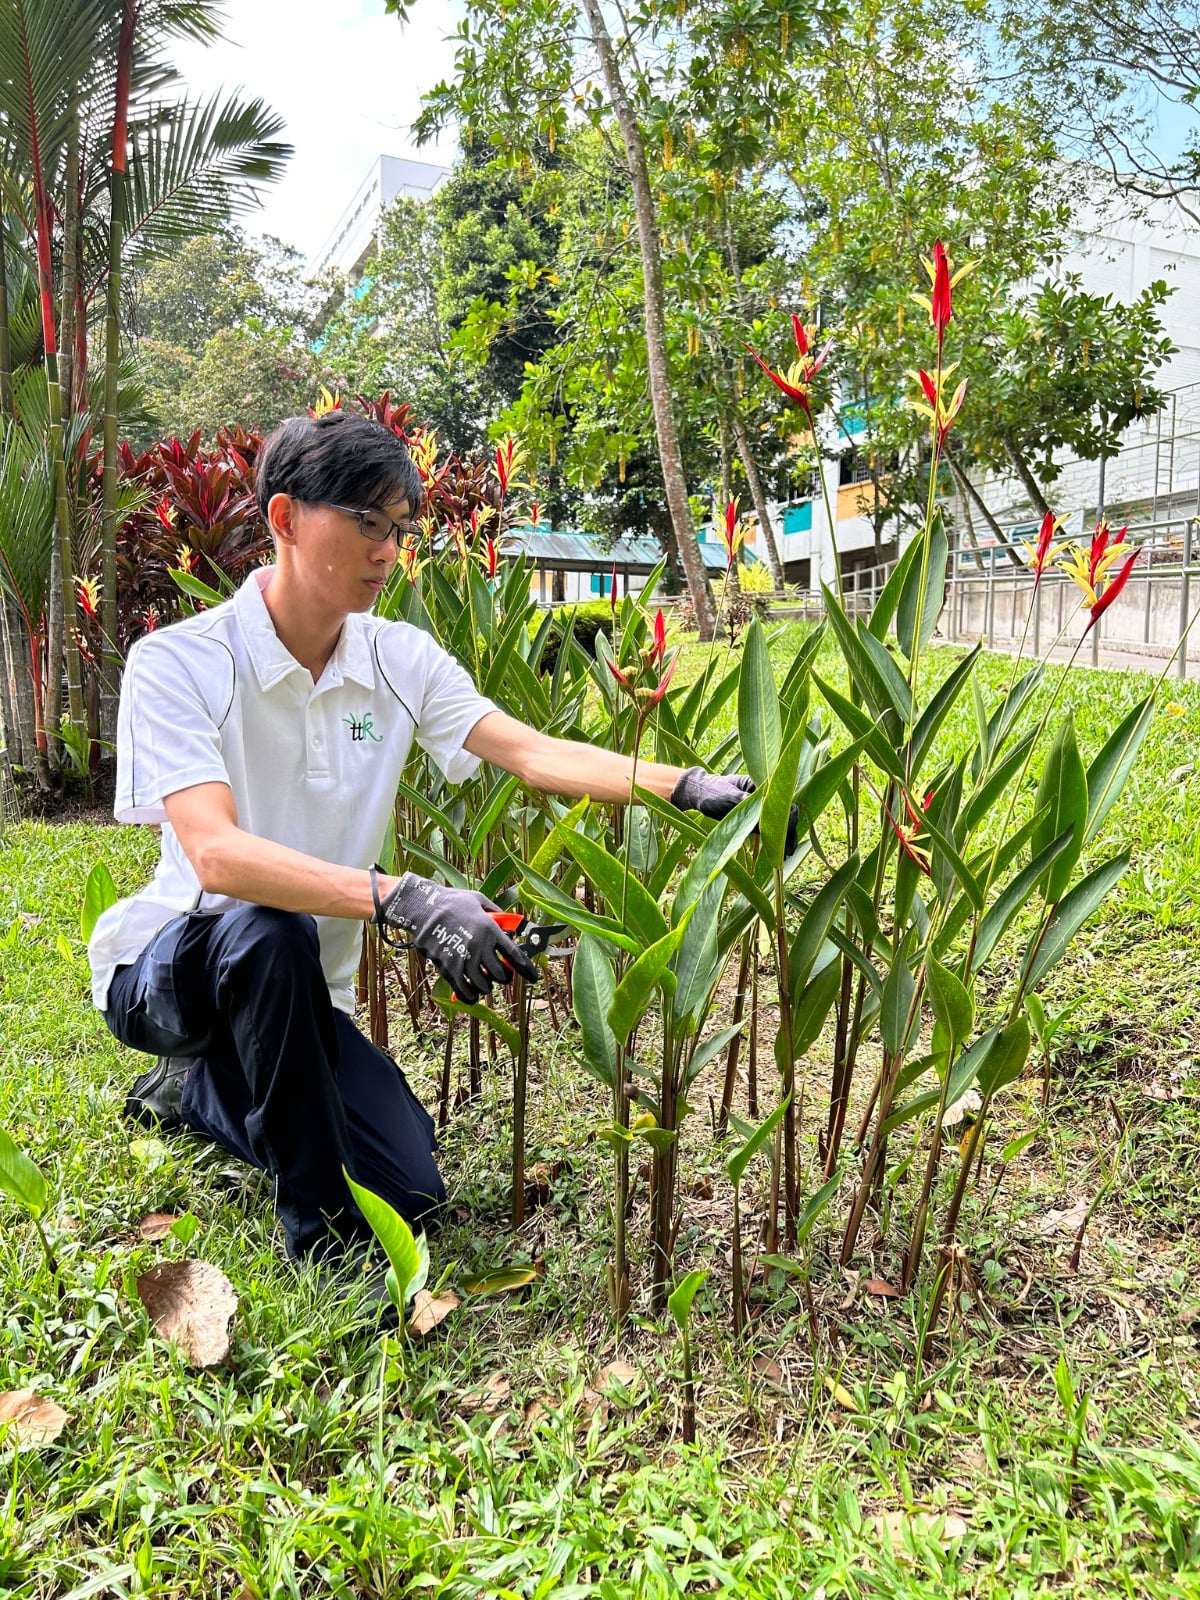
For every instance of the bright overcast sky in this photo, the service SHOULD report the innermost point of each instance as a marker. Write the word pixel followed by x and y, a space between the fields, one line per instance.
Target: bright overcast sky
pixel 346 79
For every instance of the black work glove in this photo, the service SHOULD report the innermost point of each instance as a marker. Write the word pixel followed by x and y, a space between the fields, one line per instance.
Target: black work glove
pixel 452 927
pixel 713 795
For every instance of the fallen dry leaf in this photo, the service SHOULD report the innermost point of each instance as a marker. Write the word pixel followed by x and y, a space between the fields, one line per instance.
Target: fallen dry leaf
pixel 1068 1221
pixel 429 1310
pixel 944 1526
pixel 842 1395
pixel 156 1226
pixel 618 1372
pixel 702 1187
pixel 32 1420
pixel 489 1397
pixel 541 1405
pixel 769 1369
pixel 191 1303
pixel 880 1286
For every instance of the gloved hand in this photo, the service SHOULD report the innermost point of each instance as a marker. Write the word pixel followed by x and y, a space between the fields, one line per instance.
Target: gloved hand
pixel 452 927
pixel 714 795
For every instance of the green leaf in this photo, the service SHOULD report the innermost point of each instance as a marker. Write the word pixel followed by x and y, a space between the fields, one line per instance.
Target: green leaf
pixel 408 1256
pixel 998 916
pixel 502 792
pixel 898 989
pixel 499 1281
pixel 99 892
pixel 1062 794
pixel 574 912
pixel 644 976
pixel 805 1223
pixel 444 997
pixel 196 589
pixel 698 965
pixel 20 1177
pixel 981 799
pixel 738 1162
pixel 889 595
pixel 934 579
pixel 861 726
pixel 1015 1146
pixel 593 985
pixel 939 708
pixel 758 707
pixel 814 925
pixel 1068 917
pixel 815 1001
pixel 1006 1059
pixel 679 1304
pixel 962 1075
pixel 1108 772
pixel 606 873
pixel 953 1007
pixel 722 843
pixel 708 1049
pixel 777 799
pixel 825 782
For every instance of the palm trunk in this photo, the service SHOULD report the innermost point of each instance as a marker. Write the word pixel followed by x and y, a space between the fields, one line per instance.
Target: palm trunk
pixel 14 740
pixel 968 489
pixel 6 391
pixel 661 398
pixel 112 353
pixel 754 479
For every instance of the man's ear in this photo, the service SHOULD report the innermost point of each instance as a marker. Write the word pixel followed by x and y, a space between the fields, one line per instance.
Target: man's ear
pixel 281 518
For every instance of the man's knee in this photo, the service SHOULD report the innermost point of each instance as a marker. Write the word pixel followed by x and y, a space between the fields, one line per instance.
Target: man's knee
pixel 265 935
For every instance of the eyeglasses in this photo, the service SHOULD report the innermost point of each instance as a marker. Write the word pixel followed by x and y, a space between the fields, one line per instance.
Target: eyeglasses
pixel 377 526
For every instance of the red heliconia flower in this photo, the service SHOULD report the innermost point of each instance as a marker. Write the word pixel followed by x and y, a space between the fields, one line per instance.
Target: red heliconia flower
pixel 151 619
pixel 89 596
pixel 1112 588
pixel 909 837
pixel 929 387
pixel 535 514
pixel 476 522
pixel 505 454
pixel 659 649
pixel 733 535
pixel 492 558
pixel 185 559
pixel 660 687
pixel 165 512
pixel 622 678
pixel 797 383
pixel 1042 554
pixel 612 593
pixel 941 309
pixel 1103 545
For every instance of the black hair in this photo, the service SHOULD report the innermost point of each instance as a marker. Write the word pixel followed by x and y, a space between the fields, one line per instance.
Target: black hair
pixel 339 456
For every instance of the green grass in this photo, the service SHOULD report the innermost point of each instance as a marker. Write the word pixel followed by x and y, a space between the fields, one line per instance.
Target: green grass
pixel 263 1478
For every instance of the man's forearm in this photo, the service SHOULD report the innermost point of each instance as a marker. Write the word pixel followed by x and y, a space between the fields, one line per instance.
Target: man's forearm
pixel 559 766
pixel 244 866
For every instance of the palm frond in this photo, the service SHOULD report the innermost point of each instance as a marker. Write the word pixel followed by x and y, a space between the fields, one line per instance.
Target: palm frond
pixel 26 520
pixel 195 164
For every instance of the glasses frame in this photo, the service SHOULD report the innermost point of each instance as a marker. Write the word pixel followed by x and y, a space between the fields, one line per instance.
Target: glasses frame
pixel 403 529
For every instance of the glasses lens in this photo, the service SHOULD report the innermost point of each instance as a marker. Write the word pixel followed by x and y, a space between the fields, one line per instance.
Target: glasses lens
pixel 375 526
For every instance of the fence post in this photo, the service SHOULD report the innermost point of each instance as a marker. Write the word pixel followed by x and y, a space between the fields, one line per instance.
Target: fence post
pixel 991 599
pixel 1185 600
pixel 1037 619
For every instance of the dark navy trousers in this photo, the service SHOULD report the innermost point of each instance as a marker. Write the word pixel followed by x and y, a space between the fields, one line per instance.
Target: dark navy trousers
pixel 281 1078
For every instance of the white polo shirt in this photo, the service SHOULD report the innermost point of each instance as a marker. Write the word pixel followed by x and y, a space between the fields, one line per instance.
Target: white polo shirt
pixel 218 699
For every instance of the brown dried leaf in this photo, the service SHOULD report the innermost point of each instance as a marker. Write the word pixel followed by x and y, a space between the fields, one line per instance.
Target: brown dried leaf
pixel 702 1187
pixel 1066 1221
pixel 191 1303
pixel 157 1225
pixel 768 1369
pixel 943 1526
pixel 537 1408
pixel 25 1416
pixel 841 1394
pixel 490 1397
pixel 880 1286
pixel 429 1310
pixel 619 1372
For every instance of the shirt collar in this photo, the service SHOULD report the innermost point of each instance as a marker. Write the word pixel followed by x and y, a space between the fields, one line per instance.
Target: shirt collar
pixel 272 661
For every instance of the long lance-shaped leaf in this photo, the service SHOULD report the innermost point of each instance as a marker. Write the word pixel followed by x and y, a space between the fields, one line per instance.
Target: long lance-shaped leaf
pixel 1108 772
pixel 862 726
pixel 1006 1059
pixel 998 915
pixel 889 595
pixel 825 782
pixel 777 799
pixel 698 964
pixel 1068 917
pixel 741 1159
pixel 912 603
pixel 648 972
pixel 1002 719
pixel 607 874
pixel 815 1000
pixel 1062 792
pixel 814 925
pixel 939 708
pixel 501 793
pixel 408 1256
pixel 962 1075
pixel 708 1050
pixel 729 834
pixel 979 802
pixel 574 912
pixel 593 985
pixel 20 1177
pixel 758 707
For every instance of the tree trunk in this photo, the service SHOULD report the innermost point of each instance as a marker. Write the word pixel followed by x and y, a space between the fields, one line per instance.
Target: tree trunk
pixel 10 705
pixel 968 488
pixel 754 479
pixel 109 664
pixel 661 400
pixel 6 392
pixel 1030 484
pixel 726 461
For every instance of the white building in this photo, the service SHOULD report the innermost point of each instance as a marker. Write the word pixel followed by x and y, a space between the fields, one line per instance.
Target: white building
pixel 349 246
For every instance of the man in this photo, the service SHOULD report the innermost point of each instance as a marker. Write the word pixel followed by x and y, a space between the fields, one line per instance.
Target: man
pixel 266 736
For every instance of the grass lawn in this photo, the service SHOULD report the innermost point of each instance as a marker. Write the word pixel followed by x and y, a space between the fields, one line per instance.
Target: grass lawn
pixel 1050 1444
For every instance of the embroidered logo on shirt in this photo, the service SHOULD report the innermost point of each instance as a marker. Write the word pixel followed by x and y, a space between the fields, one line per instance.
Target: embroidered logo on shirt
pixel 360 729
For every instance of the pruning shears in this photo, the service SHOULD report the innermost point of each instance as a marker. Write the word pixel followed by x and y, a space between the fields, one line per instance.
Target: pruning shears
pixel 535 938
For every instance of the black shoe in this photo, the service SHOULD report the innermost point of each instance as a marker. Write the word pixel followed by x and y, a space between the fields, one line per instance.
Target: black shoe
pixel 156 1098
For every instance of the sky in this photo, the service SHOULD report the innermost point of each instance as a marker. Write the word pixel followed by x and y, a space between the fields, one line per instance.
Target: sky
pixel 346 78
